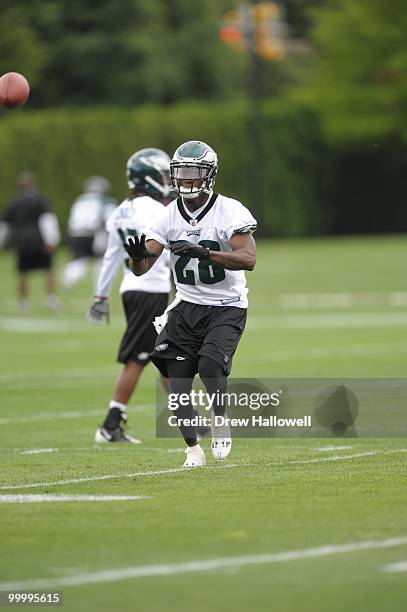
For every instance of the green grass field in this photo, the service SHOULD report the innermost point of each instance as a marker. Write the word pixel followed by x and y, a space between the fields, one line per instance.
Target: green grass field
pixel 214 538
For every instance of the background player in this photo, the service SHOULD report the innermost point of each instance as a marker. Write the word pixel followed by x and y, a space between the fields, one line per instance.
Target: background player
pixel 210 239
pixel 86 229
pixel 143 298
pixel 35 235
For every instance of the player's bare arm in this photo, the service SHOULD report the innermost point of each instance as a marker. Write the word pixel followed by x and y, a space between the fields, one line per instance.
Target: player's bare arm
pixel 143 255
pixel 242 257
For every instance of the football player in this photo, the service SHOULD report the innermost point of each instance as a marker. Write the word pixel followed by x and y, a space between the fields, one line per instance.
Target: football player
pixel 143 298
pixel 86 229
pixel 210 240
pixel 36 235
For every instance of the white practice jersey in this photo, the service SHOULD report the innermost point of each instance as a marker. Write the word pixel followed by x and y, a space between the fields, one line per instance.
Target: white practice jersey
pixel 132 218
pixel 212 226
pixel 89 214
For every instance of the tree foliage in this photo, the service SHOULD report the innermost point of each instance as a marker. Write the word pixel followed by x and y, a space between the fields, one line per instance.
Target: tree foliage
pixel 360 85
pixel 87 52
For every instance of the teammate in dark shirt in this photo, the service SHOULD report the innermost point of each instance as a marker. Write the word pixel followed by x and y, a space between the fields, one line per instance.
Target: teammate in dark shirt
pixel 35 234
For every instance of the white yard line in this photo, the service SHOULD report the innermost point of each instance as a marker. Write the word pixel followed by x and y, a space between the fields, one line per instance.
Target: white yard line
pixel 397 568
pixel 33 485
pixel 201 565
pixel 336 457
pixel 29 499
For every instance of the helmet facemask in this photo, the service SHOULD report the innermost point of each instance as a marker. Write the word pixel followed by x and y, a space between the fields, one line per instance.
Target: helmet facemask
pixel 193 169
pixel 190 179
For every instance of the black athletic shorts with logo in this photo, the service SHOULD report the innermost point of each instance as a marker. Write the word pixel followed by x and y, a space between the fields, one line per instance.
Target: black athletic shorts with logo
pixel 196 330
pixel 140 308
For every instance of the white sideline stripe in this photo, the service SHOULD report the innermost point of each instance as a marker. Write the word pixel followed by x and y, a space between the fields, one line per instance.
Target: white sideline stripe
pixel 33 485
pixel 399 567
pixel 182 469
pixel 29 499
pixel 37 451
pixel 207 565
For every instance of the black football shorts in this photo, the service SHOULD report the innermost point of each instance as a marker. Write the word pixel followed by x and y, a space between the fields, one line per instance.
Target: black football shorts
pixel 196 330
pixel 140 309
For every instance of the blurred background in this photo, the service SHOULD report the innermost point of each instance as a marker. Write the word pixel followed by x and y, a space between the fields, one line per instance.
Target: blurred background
pixel 304 101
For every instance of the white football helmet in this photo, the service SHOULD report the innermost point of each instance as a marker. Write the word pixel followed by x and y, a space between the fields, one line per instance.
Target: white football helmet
pixel 194 162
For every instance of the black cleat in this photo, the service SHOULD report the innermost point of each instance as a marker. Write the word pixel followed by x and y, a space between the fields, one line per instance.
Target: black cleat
pixel 112 431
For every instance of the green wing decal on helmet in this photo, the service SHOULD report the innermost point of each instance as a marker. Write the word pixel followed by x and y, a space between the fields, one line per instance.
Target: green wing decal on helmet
pixel 148 171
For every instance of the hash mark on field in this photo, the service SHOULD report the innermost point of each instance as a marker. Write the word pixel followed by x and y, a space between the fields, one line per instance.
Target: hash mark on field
pixel 206 565
pixel 37 451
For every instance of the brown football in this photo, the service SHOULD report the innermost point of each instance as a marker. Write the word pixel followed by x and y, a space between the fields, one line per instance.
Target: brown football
pixel 14 90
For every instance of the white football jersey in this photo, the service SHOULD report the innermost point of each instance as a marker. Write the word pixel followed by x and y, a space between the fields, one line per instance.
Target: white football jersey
pixel 212 226
pixel 131 219
pixel 88 214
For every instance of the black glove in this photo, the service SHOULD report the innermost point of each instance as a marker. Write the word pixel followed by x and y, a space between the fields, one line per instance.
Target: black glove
pixel 136 248
pixel 98 311
pixel 183 247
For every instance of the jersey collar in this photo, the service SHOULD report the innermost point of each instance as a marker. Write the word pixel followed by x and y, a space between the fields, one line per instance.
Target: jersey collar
pixel 195 220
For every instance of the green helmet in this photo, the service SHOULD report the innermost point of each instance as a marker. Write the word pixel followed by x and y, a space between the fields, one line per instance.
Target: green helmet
pixel 197 162
pixel 148 171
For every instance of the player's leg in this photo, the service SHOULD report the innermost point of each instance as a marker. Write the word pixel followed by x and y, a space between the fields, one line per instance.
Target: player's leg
pixel 74 271
pixel 214 378
pixel 23 290
pixel 111 429
pixel 127 381
pixel 51 299
pixel 134 353
pixel 224 331
pixel 181 376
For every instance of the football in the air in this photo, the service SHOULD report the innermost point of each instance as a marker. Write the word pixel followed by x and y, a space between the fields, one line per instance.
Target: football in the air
pixel 14 90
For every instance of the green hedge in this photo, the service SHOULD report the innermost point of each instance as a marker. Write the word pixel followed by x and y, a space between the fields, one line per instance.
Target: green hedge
pixel 293 167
